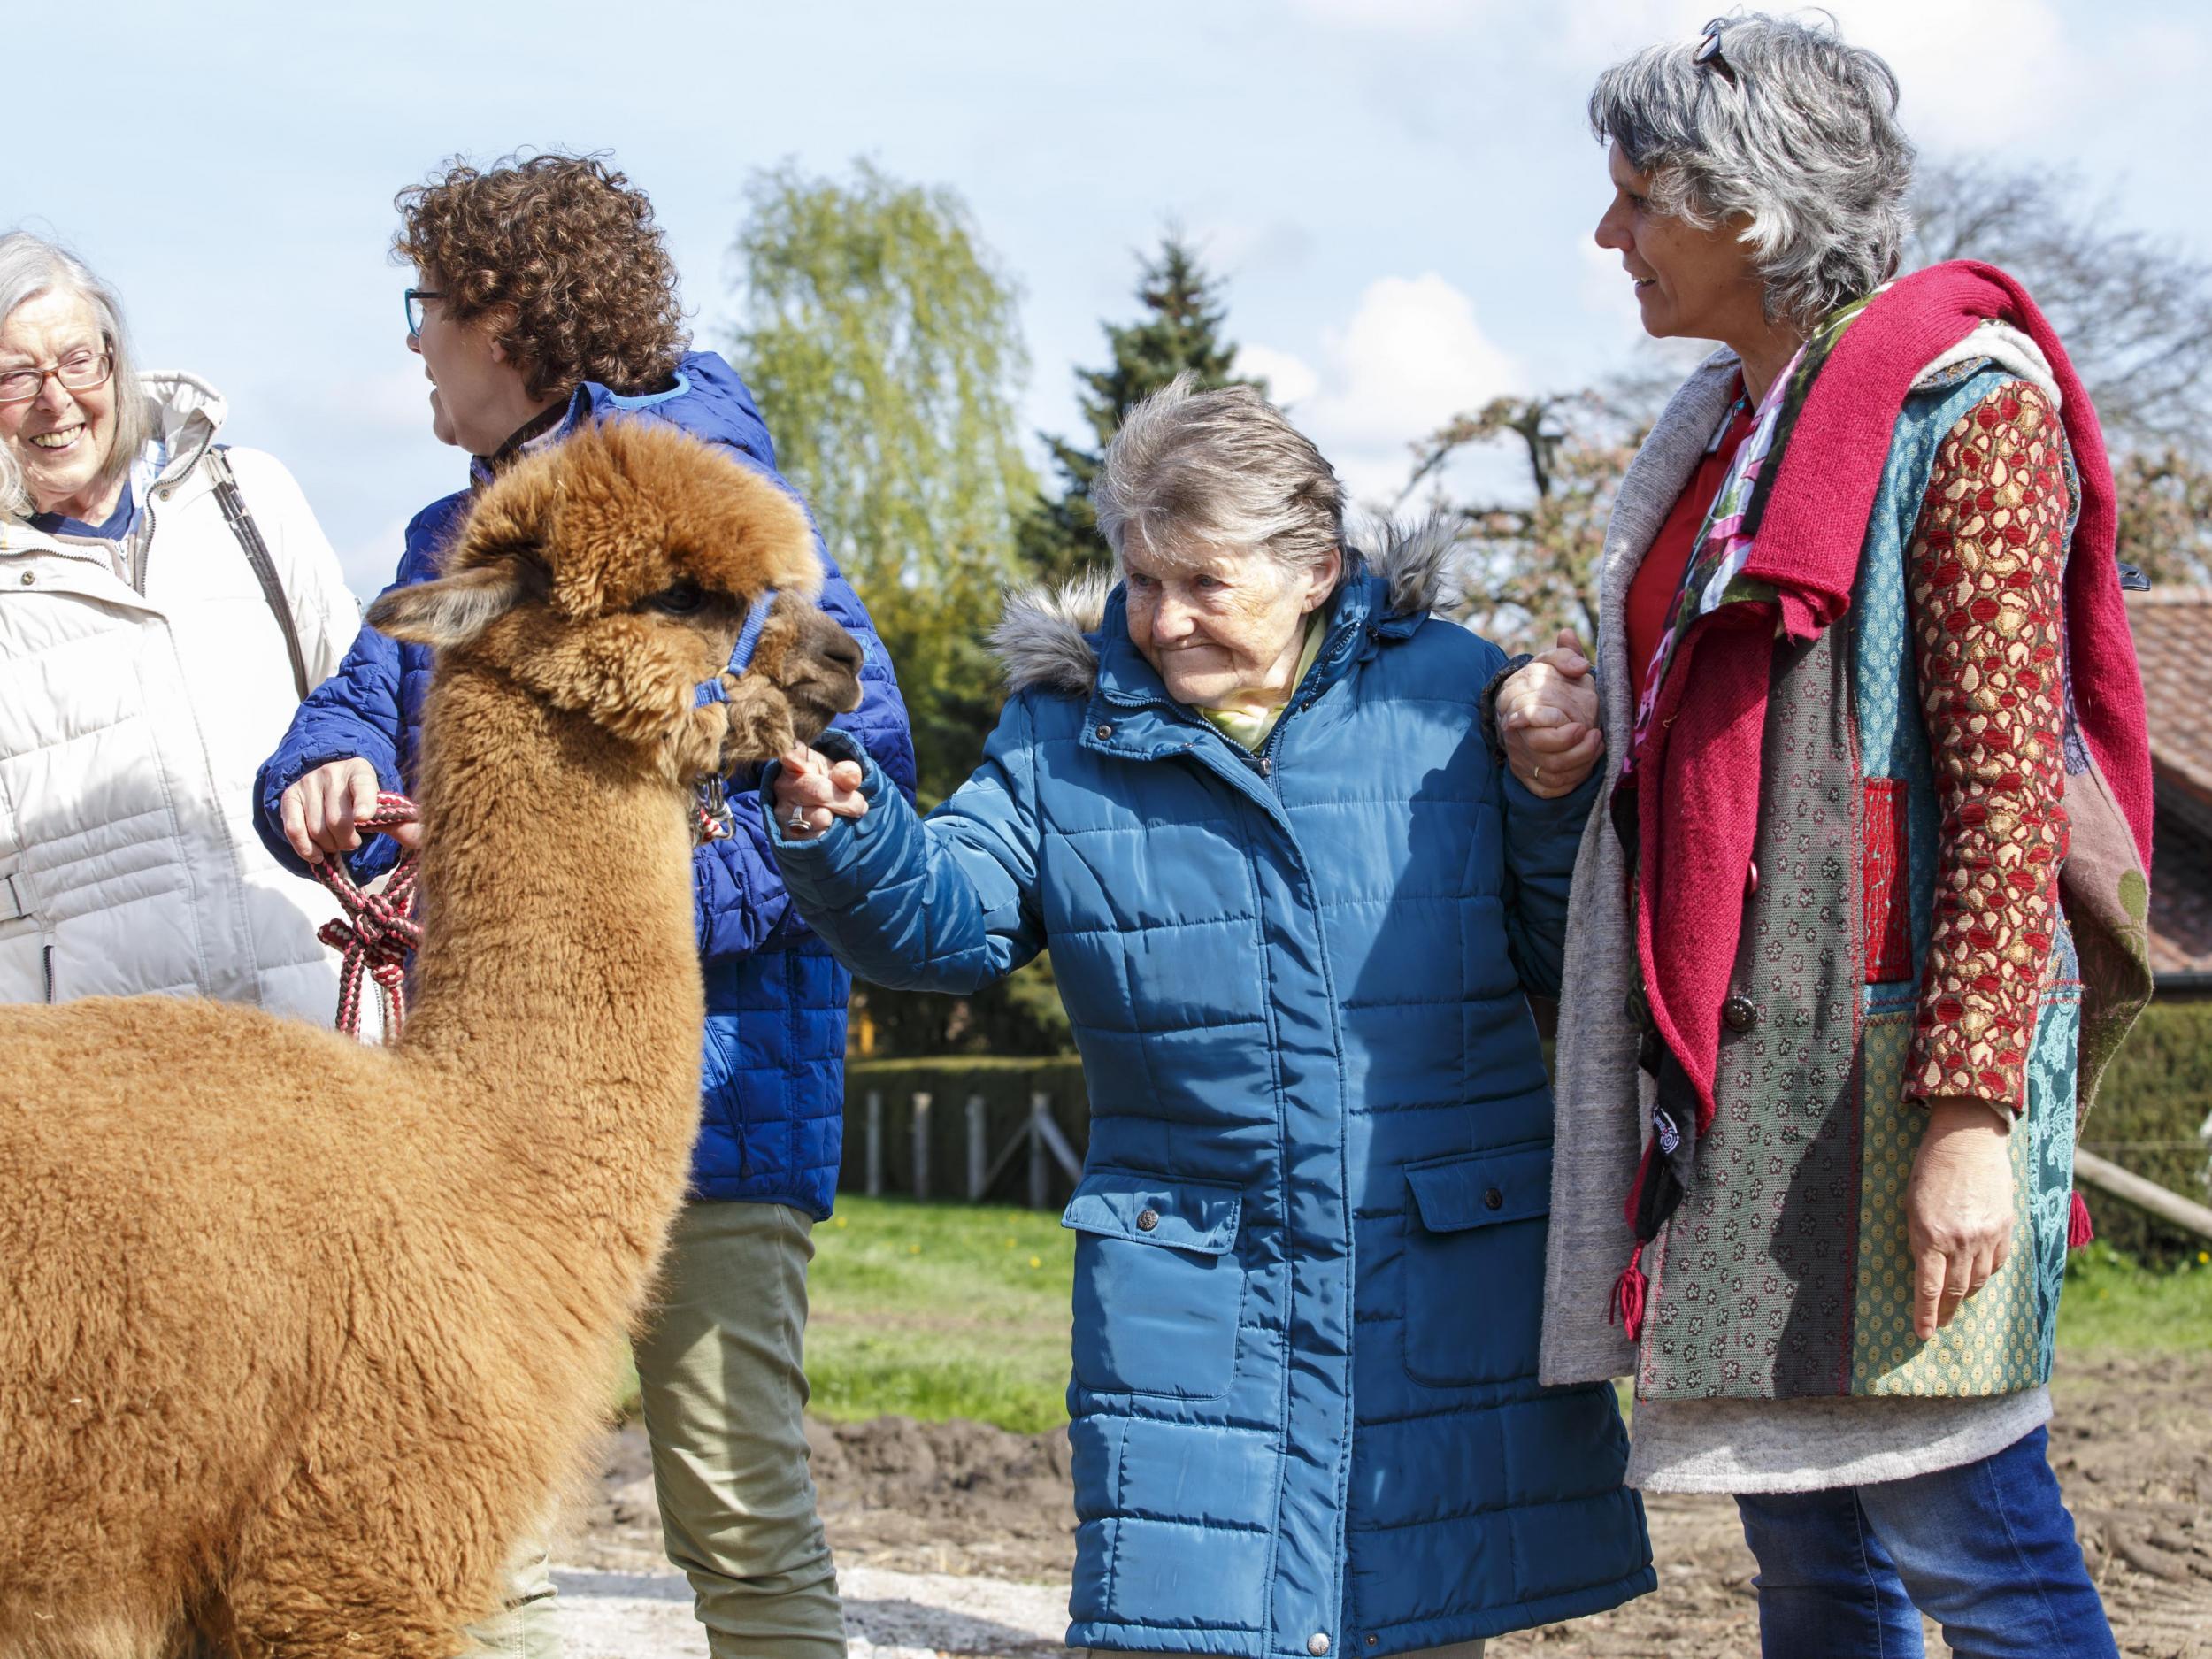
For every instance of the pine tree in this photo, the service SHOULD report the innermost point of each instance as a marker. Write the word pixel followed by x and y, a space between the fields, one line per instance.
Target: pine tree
pixel 1180 329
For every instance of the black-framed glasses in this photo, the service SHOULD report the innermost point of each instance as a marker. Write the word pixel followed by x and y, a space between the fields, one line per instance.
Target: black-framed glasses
pixel 1709 55
pixel 79 372
pixel 415 297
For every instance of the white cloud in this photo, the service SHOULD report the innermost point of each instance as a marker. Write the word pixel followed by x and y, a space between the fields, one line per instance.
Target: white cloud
pixel 1290 380
pixel 1412 355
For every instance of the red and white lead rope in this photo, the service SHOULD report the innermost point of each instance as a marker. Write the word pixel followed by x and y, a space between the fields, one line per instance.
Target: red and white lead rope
pixel 379 928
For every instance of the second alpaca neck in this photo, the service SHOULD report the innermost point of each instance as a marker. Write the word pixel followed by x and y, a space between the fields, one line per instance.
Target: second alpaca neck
pixel 557 986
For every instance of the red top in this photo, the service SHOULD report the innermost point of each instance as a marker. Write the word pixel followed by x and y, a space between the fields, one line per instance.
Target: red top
pixel 1658 579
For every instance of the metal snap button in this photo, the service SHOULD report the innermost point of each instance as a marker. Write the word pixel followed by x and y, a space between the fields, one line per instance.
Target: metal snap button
pixel 29 577
pixel 1104 731
pixel 1147 1219
pixel 1740 1012
pixel 1493 1200
pixel 1316 1645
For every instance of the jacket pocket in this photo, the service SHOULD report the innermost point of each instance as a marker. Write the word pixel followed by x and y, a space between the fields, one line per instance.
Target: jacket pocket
pixel 1158 1289
pixel 1475 1265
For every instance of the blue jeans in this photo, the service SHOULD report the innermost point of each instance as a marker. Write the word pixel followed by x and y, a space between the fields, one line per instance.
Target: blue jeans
pixel 1987 1550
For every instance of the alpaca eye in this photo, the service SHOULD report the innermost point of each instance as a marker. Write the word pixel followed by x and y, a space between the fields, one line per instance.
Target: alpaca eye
pixel 678 600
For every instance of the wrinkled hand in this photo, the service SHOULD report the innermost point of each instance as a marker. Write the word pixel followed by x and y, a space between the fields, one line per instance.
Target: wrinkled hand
pixel 1958 1209
pixel 810 790
pixel 1547 719
pixel 319 812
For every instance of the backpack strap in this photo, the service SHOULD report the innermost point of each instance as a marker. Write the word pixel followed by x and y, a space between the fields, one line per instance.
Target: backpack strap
pixel 248 535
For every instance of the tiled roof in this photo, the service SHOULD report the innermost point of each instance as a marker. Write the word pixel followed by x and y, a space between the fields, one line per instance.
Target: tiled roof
pixel 2173 643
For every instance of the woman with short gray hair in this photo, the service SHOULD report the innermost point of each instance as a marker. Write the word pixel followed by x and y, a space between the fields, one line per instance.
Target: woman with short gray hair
pixel 1850 935
pixel 165 604
pixel 1293 902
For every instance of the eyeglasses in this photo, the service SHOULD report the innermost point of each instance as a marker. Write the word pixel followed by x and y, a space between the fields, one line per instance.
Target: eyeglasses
pixel 1709 51
pixel 415 297
pixel 79 372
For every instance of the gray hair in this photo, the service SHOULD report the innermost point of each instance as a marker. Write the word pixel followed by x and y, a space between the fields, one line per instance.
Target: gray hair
pixel 1218 469
pixel 30 266
pixel 1798 132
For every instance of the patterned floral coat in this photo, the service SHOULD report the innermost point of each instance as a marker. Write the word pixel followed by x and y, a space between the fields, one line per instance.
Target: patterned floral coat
pixel 1902 941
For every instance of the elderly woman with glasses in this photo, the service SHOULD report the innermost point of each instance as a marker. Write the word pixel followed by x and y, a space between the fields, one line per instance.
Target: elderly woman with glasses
pixel 165 603
pixel 1293 905
pixel 1860 918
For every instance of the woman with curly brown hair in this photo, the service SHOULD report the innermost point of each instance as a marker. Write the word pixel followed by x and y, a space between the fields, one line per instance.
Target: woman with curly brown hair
pixel 544 299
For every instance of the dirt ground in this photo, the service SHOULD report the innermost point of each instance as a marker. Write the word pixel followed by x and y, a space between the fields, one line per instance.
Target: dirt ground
pixel 2132 1441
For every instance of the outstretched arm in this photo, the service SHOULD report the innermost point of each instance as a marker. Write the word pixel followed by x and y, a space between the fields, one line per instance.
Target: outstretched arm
pixel 946 905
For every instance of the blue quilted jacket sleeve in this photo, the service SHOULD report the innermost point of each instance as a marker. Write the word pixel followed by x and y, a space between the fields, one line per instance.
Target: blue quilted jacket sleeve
pixel 362 709
pixel 742 904
pixel 947 904
pixel 1542 839
pixel 355 711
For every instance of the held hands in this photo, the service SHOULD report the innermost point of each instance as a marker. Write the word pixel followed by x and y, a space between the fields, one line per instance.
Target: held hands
pixel 1548 719
pixel 812 789
pixel 1958 1209
pixel 319 812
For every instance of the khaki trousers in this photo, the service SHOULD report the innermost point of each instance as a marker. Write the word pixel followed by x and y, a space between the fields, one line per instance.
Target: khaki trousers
pixel 720 1368
pixel 529 1627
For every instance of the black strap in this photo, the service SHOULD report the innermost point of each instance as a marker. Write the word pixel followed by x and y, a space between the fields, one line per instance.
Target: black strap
pixel 248 535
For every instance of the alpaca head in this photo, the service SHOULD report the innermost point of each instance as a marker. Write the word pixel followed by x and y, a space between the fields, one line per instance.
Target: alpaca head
pixel 612 574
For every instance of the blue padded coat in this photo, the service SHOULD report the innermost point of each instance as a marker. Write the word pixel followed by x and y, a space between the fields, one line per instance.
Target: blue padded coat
pixel 773 1072
pixel 1309 1259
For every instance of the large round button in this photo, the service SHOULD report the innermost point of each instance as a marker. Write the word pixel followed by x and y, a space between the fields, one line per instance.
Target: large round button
pixel 1147 1219
pixel 29 577
pixel 1493 1200
pixel 1316 1645
pixel 1740 1013
pixel 1102 731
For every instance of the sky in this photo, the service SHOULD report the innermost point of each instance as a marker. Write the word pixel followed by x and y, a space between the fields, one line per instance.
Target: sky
pixel 1399 194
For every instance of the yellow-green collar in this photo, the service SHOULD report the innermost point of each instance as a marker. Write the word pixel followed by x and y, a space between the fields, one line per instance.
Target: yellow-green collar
pixel 1250 729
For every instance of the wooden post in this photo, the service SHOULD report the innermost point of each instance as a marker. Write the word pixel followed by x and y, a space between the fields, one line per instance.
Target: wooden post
pixel 921 1144
pixel 875 1143
pixel 2130 1188
pixel 978 1153
pixel 1040 1107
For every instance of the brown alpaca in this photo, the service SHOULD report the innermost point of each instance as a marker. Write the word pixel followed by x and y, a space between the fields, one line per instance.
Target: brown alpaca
pixel 297 1338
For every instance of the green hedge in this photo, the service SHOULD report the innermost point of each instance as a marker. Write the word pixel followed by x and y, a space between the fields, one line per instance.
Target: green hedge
pixel 2154 1099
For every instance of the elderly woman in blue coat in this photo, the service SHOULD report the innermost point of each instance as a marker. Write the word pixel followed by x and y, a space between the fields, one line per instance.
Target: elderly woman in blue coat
pixel 1293 901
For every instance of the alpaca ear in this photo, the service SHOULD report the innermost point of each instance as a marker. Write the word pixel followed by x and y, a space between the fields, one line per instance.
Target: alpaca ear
pixel 453 610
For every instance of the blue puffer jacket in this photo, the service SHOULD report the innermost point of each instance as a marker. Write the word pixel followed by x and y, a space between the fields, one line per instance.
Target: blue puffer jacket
pixel 1310 1256
pixel 773 1082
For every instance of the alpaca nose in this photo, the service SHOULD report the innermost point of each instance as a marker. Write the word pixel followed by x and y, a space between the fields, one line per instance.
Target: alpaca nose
pixel 844 654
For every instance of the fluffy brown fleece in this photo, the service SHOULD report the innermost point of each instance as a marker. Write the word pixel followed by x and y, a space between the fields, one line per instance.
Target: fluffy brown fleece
pixel 297 1338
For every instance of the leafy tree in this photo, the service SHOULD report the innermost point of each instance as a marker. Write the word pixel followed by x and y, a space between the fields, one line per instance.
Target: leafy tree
pixel 886 348
pixel 2135 315
pixel 877 333
pixel 1529 563
pixel 1178 329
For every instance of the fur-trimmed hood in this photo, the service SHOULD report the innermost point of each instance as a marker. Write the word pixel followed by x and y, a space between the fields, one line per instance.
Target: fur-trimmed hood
pixel 1043 637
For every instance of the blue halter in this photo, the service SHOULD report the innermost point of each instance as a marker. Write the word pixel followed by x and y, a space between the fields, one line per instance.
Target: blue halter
pixel 711 821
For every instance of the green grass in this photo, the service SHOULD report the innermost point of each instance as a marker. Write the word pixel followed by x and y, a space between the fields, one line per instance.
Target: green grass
pixel 2111 1302
pixel 953 1311
pixel 940 1310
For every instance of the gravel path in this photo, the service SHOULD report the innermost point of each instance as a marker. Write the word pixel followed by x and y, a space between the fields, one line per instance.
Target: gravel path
pixel 888 1615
